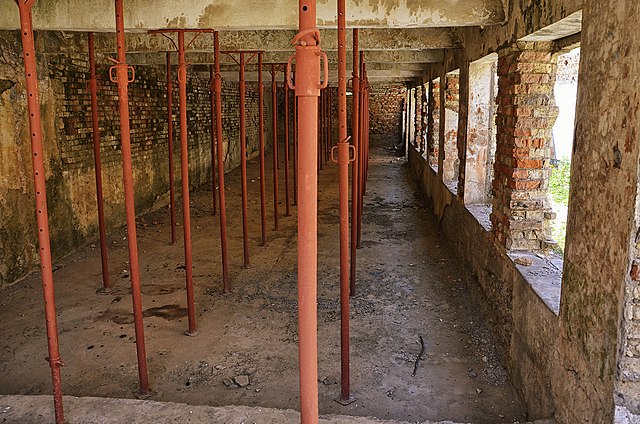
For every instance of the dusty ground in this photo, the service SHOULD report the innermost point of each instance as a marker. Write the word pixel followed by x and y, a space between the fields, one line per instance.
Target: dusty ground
pixel 409 285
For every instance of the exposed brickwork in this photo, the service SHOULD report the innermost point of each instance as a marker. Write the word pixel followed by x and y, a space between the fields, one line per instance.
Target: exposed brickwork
pixel 385 111
pixel 66 122
pixel 525 117
pixel 417 118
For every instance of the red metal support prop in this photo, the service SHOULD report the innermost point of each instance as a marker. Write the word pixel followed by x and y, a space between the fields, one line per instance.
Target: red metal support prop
pixel 184 170
pixel 321 145
pixel 274 107
pixel 286 148
pixel 263 203
pixel 242 84
pixel 327 143
pixel 123 79
pixel 329 123
pixel 172 188
pixel 343 148
pixel 243 163
pixel 355 168
pixel 184 166
pixel 360 152
pixel 307 87
pixel 295 150
pixel 219 151
pixel 212 102
pixel 42 217
pixel 93 88
pixel 367 123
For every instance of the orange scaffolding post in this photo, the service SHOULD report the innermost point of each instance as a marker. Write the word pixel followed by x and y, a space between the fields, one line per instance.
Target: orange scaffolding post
pixel 274 107
pixel 181 47
pixel 295 151
pixel 242 62
pixel 212 102
pixel 343 160
pixel 42 217
pixel 286 149
pixel 263 202
pixel 355 188
pixel 123 79
pixel 307 87
pixel 226 280
pixel 172 178
pixel 184 170
pixel 93 89
pixel 361 150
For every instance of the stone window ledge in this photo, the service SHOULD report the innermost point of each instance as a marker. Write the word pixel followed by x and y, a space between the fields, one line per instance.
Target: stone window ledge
pixel 544 275
pixel 482 213
pixel 452 186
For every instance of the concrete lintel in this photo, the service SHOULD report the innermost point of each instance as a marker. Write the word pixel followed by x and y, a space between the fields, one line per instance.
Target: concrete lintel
pixel 374 76
pixel 267 40
pixel 98 15
pixel 570 25
pixel 371 57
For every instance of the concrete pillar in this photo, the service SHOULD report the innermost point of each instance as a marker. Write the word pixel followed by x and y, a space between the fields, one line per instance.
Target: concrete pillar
pixel 463 114
pixel 480 127
pixel 441 126
pixel 433 122
pixel 525 118
pixel 417 101
pixel 449 125
pixel 599 320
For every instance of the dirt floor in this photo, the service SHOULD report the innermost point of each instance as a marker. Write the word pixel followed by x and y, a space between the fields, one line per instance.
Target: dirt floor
pixel 409 285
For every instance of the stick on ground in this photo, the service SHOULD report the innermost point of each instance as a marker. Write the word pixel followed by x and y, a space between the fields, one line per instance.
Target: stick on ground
pixel 419 357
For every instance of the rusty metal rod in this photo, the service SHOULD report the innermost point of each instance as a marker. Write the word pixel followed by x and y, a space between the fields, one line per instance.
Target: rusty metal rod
pixel 42 216
pixel 286 149
pixel 212 102
pixel 295 150
pixel 122 78
pixel 360 152
pixel 367 124
pixel 354 168
pixel 172 188
pixel 184 170
pixel 243 163
pixel 263 204
pixel 219 151
pixel 321 130
pixel 327 150
pixel 307 86
pixel 343 164
pixel 93 88
pixel 274 106
pixel 330 95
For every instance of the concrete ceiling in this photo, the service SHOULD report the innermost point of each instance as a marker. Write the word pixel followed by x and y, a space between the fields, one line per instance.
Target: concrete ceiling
pixel 399 37
pixel 141 15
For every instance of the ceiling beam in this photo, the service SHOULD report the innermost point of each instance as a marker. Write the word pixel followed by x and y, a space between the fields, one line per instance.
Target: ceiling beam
pixel 381 56
pixel 98 15
pixel 267 40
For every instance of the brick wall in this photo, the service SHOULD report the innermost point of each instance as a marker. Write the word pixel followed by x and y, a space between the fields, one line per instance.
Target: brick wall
pixel 385 109
pixel 68 147
pixel 433 124
pixel 525 117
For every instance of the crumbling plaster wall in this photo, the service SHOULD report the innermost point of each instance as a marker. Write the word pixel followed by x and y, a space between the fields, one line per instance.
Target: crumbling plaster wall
pixel 66 122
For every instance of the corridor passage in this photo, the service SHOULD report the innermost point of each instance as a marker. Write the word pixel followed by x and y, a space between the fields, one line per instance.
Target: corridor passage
pixel 409 286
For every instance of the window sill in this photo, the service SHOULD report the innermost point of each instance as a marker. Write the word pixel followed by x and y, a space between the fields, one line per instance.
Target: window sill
pixel 544 275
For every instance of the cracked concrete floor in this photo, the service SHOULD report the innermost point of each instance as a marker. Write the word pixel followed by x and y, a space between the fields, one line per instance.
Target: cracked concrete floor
pixel 409 285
